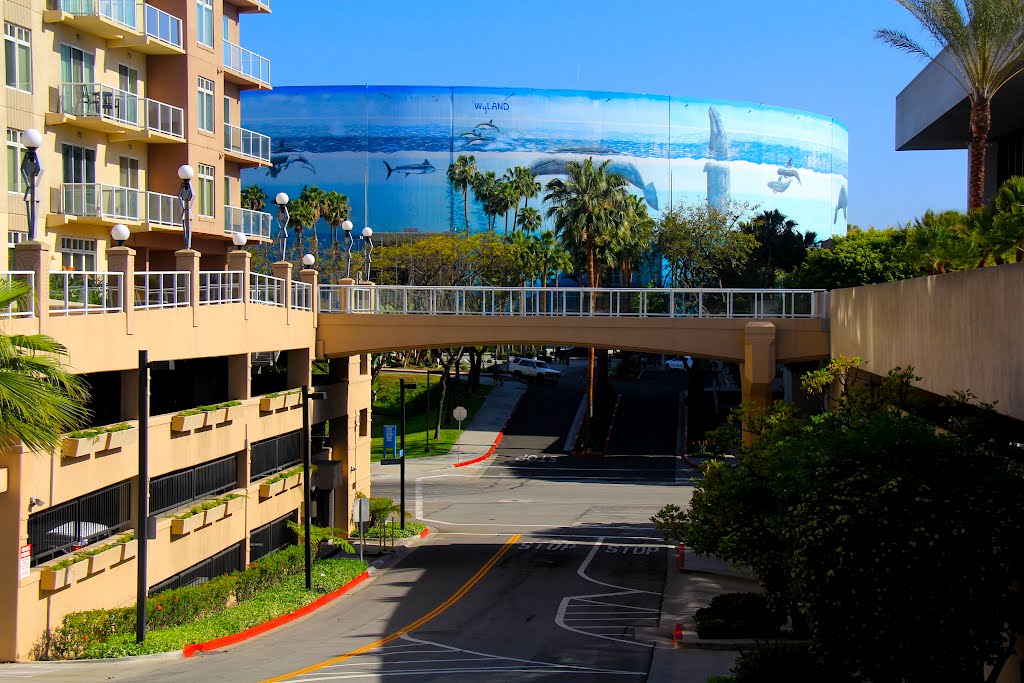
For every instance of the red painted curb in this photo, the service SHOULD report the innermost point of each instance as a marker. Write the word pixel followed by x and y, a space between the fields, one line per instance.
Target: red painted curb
pixel 501 435
pixel 423 534
pixel 217 643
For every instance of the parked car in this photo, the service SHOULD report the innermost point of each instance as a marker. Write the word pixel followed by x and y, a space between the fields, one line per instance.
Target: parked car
pixel 679 363
pixel 533 369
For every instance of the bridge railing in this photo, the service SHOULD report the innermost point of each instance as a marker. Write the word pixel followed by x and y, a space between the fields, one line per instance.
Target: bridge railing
pixel 576 302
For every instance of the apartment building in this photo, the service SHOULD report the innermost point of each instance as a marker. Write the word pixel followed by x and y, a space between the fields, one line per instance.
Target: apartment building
pixel 125 94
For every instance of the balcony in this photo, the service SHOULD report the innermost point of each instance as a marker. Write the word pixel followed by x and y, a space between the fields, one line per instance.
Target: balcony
pixel 98 204
pixel 253 224
pixel 260 6
pixel 109 19
pixel 161 34
pixel 246 146
pixel 164 123
pixel 246 68
pixel 163 212
pixel 95 106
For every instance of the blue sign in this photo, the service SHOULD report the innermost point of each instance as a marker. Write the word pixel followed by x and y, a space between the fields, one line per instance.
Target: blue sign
pixel 390 437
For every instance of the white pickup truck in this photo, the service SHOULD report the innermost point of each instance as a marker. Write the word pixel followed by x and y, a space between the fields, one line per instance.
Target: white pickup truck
pixel 532 369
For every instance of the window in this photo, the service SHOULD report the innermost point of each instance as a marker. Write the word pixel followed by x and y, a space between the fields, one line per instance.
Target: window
pixel 227 110
pixel 13 237
pixel 364 422
pixel 128 202
pixel 206 189
pixel 204 22
pixel 227 191
pixel 128 82
pixel 78 254
pixel 18 57
pixel 205 104
pixel 80 196
pixel 227 27
pixel 14 152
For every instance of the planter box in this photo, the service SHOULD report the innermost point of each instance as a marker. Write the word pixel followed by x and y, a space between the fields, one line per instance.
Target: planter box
pixel 235 506
pixel 234 413
pixel 55 579
pixel 293 481
pixel 77 448
pixel 292 400
pixel 216 417
pixel 125 437
pixel 271 490
pixel 180 527
pixel 128 550
pixel 187 423
pixel 270 404
pixel 215 514
pixel 98 563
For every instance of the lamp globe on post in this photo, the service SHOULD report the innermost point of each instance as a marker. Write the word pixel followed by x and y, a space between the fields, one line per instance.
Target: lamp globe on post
pixel 120 233
pixel 308 260
pixel 185 196
pixel 349 240
pixel 239 239
pixel 367 251
pixel 282 223
pixel 31 168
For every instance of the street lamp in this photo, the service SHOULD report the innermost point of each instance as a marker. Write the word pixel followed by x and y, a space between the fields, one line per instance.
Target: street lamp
pixel 367 251
pixel 308 260
pixel 31 168
pixel 347 227
pixel 120 233
pixel 282 223
pixel 185 196
pixel 239 239
pixel 307 456
pixel 402 386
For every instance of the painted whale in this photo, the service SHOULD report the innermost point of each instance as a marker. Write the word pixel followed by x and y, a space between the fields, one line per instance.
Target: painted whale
pixel 485 126
pixel 717 170
pixel 779 186
pixel 625 169
pixel 841 205
pixel 790 172
pixel 410 169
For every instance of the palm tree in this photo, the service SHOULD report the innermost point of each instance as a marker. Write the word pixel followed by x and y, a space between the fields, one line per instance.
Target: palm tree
pixel 300 215
pixel 39 399
pixel 527 185
pixel 485 189
pixel 254 198
pixel 336 211
pixel 529 220
pixel 934 243
pixel 632 237
pixel 461 175
pixel 506 198
pixel 1008 207
pixel 983 52
pixel 316 200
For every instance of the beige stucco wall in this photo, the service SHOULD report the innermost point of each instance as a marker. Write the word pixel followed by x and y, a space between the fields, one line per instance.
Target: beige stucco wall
pixel 958 330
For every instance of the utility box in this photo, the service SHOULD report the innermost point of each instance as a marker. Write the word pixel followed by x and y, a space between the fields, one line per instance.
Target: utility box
pixel 330 474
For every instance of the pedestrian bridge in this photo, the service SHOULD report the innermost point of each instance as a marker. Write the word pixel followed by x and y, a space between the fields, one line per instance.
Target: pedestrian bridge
pixel 755 328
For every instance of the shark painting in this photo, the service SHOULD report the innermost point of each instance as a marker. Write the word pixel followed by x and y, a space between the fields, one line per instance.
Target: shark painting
pixel 410 169
pixel 282 157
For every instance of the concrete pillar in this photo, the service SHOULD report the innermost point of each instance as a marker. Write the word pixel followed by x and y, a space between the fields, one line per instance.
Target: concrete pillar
pixel 129 394
pixel 240 260
pixel 345 304
pixel 300 367
pixel 283 271
pixel 240 377
pixel 758 367
pixel 187 260
pixel 312 278
pixel 122 260
pixel 34 256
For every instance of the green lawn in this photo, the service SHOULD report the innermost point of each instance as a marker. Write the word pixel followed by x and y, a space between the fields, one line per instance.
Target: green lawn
pixel 386 411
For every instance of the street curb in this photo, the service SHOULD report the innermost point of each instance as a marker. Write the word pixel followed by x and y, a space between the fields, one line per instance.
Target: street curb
pixel 424 533
pixel 260 629
pixel 501 435
pixel 607 438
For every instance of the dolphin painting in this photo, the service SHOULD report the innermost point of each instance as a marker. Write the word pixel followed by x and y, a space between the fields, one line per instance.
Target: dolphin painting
pixel 410 169
pixel 788 171
pixel 626 169
pixel 281 158
pixel 779 186
pixel 717 170
pixel 487 126
pixel 841 205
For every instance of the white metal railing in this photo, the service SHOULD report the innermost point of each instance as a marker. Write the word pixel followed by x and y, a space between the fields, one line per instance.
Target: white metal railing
pixel 247 143
pixel 220 287
pixel 302 296
pixel 246 62
pixel 162 26
pixel 578 302
pixel 165 118
pixel 100 201
pixel 24 307
pixel 95 100
pixel 163 209
pixel 252 223
pixel 85 293
pixel 266 290
pixel 118 11
pixel 161 289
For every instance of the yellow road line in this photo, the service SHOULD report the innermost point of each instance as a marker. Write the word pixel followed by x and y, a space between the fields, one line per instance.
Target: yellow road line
pixel 455 597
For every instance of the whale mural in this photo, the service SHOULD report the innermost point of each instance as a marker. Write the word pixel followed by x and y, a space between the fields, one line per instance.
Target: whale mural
pixel 556 167
pixel 717 169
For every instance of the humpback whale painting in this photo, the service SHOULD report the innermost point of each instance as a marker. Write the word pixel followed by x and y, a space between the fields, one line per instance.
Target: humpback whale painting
pixel 556 167
pixel 717 168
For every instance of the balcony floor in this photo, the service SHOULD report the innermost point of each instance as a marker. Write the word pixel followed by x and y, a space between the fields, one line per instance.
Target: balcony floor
pixel 96 123
pixel 246 82
pixel 152 137
pixel 95 25
pixel 148 45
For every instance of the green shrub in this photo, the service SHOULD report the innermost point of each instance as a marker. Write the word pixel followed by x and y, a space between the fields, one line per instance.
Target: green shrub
pixel 88 433
pixel 207 409
pixel 790 662
pixel 319 535
pixel 270 570
pixel 380 508
pixel 738 615
pixel 411 529
pixel 287 473
pixel 82 630
pixel 181 605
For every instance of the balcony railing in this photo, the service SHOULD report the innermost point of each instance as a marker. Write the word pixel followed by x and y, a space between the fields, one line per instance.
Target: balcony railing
pixel 266 290
pixel 165 118
pixel 85 293
pixel 246 63
pixel 118 11
pixel 95 200
pixel 302 296
pixel 220 287
pixel 161 289
pixel 246 143
pixel 251 223
pixel 24 307
pixel 162 26
pixel 163 209
pixel 95 100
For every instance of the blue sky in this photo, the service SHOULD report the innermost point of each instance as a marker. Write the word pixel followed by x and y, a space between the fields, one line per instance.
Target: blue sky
pixel 817 55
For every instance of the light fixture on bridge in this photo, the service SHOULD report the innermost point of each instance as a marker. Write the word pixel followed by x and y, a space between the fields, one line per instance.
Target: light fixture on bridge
pixel 120 233
pixel 308 260
pixel 239 239
pixel 185 196
pixel 349 240
pixel 282 223
pixel 367 251
pixel 31 169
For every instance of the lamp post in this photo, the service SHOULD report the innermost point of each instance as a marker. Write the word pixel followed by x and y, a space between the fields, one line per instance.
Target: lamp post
pixel 307 455
pixel 31 168
pixel 347 227
pixel 119 233
pixel 308 260
pixel 282 223
pixel 368 253
pixel 142 513
pixel 185 196
pixel 239 239
pixel 401 401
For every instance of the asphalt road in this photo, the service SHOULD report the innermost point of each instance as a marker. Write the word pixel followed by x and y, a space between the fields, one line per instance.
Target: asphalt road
pixel 543 567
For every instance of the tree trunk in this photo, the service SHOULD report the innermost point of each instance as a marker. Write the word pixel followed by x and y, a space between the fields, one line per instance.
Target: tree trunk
pixel 588 423
pixel 981 122
pixel 465 206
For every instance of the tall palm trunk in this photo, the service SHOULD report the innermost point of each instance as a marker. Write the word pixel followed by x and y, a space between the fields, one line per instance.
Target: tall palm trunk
pixel 590 351
pixel 506 224
pixel 465 205
pixel 981 122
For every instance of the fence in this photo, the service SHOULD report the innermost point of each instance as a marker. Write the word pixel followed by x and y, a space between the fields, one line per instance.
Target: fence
pixel 276 454
pixel 224 562
pixel 302 296
pixel 85 293
pixel 162 26
pixel 119 11
pixel 165 118
pixel 246 62
pixel 62 528
pixel 220 287
pixel 246 143
pixel 185 486
pixel 273 536
pixel 96 100
pixel 25 306
pixel 98 200
pixel 266 290
pixel 161 289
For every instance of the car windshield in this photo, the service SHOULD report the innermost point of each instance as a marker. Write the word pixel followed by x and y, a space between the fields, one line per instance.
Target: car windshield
pixel 542 364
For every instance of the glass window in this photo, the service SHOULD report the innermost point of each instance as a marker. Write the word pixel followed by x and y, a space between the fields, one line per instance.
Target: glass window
pixel 13 237
pixel 205 104
pixel 14 153
pixel 204 22
pixel 18 57
pixel 78 254
pixel 206 189
pixel 227 27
